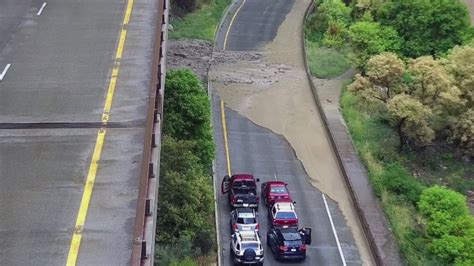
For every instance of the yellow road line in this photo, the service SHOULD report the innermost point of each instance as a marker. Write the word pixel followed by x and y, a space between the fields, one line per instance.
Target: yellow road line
pixel 86 197
pixel 224 130
pixel 115 70
pixel 231 22
pixel 99 144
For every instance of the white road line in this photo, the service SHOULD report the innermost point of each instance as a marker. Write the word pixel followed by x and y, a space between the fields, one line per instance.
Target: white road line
pixel 5 71
pixel 276 179
pixel 334 231
pixel 41 9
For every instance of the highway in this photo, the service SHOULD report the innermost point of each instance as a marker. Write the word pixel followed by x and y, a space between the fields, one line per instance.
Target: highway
pixel 246 147
pixel 74 83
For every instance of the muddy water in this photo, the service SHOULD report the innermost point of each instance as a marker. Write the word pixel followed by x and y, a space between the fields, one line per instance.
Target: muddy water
pixel 275 93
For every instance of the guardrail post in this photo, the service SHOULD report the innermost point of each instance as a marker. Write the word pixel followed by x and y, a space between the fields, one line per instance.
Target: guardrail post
pixel 143 255
pixel 150 170
pixel 153 140
pixel 148 211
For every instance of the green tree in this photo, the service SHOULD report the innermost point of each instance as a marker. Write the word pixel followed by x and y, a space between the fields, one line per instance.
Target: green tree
pixel 383 78
pixel 410 118
pixel 366 7
pixel 460 64
pixel 433 85
pixel 427 27
pixel 187 113
pixel 370 38
pixel 186 195
pixel 328 12
pixel 463 131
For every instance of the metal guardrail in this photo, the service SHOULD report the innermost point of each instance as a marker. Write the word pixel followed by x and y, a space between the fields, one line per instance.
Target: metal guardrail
pixel 145 220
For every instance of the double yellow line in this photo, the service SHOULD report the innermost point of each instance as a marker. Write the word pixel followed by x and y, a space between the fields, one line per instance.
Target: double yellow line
pixel 99 144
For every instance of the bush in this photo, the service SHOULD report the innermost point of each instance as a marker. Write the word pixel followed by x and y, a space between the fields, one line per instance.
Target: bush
pixel 188 5
pixel 186 194
pixel 187 113
pixel 449 227
pixel 369 39
pixel 176 253
pixel 397 180
pixel 335 35
pixel 327 12
pixel 205 241
pixel 185 228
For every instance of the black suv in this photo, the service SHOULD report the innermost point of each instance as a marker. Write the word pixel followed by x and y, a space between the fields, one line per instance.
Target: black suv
pixel 289 243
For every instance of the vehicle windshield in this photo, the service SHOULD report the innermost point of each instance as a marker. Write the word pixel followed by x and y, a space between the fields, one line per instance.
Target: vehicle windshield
pixel 285 215
pixel 278 190
pixel 250 245
pixel 293 243
pixel 246 221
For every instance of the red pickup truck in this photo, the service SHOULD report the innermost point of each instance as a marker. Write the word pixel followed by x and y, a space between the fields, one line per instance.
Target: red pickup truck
pixel 242 190
pixel 275 191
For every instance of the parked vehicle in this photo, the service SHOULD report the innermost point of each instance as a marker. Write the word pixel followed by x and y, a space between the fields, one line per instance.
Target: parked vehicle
pixel 289 243
pixel 244 219
pixel 275 191
pixel 246 248
pixel 242 190
pixel 282 214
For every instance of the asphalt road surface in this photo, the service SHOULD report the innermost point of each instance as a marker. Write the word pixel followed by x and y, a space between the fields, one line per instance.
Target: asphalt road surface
pixel 60 55
pixel 268 156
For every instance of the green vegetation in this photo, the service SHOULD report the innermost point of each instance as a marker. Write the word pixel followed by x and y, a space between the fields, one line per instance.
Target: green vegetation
pixel 410 112
pixel 399 178
pixel 188 113
pixel 201 22
pixel 424 100
pixel 325 62
pixel 448 225
pixel 427 27
pixel 409 28
pixel 326 39
pixel 185 225
pixel 370 38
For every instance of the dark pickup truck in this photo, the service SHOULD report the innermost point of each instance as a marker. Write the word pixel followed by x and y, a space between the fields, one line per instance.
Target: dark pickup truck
pixel 242 190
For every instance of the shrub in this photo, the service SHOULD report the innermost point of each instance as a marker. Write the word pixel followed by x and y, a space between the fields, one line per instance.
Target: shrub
pixel 175 253
pixel 369 39
pixel 187 113
pixel 186 195
pixel 449 227
pixel 328 11
pixel 397 180
pixel 335 35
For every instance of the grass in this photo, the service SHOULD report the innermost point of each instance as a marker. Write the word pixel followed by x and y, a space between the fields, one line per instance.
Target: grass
pixel 326 62
pixel 376 144
pixel 201 23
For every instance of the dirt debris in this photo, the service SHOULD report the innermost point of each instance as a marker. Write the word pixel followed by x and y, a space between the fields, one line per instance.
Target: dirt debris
pixel 187 53
pixel 274 92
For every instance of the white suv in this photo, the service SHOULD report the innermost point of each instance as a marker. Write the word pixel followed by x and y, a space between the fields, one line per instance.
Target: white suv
pixel 246 248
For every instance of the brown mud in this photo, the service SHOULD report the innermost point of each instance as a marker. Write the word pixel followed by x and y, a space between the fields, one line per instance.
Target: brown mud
pixel 272 90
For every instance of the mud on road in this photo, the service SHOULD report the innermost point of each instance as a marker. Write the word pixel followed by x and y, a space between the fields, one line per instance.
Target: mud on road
pixel 271 89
